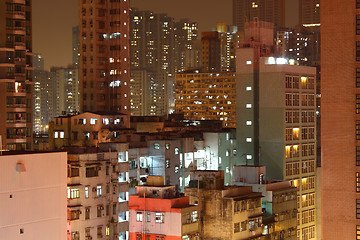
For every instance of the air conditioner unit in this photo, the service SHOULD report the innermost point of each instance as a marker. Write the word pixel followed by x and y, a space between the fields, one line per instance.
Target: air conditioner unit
pixel 94 189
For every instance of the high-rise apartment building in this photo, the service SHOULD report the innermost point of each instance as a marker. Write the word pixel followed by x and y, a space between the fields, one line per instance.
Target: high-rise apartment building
pixel 210 52
pixel 340 119
pixel 44 97
pixel 16 75
pixel 265 10
pixel 228 41
pixel 149 93
pixel 67 92
pixel 207 96
pixel 159 43
pixel 152 41
pixel 276 126
pixel 186 33
pixel 104 55
pixel 309 12
pixel 75 45
pixel 160 46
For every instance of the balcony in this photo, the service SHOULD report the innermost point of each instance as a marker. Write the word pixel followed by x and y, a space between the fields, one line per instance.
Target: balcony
pixel 20 60
pixel 19 45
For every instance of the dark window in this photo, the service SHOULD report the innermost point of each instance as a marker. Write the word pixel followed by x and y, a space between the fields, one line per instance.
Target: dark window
pixel 357 103
pixel 75 135
pixel 358 51
pixel 357 3
pixel 358 182
pixel 92 172
pixel 357 155
pixel 358 208
pixel 357 24
pixel 357 129
pixel 358 77
pixel 73 172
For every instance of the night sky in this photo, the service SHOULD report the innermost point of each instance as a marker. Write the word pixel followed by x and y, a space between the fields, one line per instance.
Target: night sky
pixel 53 21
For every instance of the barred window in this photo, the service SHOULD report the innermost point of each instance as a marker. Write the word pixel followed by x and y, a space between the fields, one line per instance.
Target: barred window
pixel 358 182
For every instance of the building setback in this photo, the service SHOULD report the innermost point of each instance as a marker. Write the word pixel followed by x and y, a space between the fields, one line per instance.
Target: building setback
pixel 340 125
pixel 16 75
pixel 104 56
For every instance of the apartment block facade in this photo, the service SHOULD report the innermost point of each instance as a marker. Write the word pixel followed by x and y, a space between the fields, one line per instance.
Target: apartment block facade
pixel 340 121
pixel 277 126
pixel 149 93
pixel 207 96
pixel 158 212
pixel 231 212
pixel 104 55
pixel 264 10
pixel 16 75
pixel 98 195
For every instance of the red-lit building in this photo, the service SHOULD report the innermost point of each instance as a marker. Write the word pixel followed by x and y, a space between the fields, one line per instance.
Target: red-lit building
pixel 104 55
pixel 157 212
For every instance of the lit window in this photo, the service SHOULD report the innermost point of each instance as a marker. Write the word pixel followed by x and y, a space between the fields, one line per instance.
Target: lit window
pixel 86 192
pixel 56 134
pixel 176 151
pixel 248 62
pixel 98 191
pixel 156 146
pixel 249 140
pixel 106 121
pixel 248 88
pixel 159 217
pixel 248 105
pixel 73 193
pixel 139 216
pixel 62 134
pixel 93 121
pixel 248 157
pixel 248 123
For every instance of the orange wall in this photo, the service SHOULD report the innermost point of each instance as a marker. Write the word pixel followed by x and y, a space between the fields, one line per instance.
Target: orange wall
pixel 156 204
pixel 153 236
